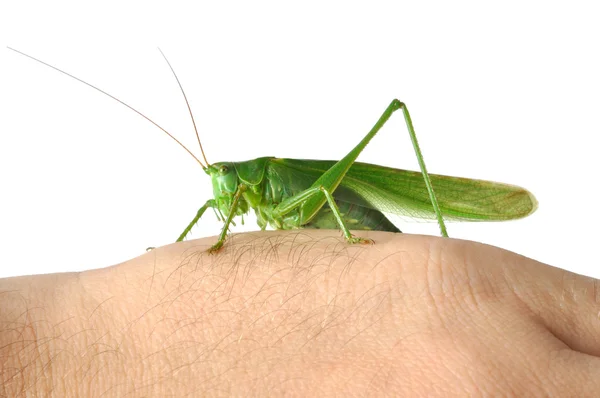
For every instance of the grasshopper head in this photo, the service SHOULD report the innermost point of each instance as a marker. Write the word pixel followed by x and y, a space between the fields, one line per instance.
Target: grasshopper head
pixel 224 179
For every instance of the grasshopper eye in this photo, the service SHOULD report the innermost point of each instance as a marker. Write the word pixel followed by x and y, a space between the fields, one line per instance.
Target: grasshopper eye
pixel 223 170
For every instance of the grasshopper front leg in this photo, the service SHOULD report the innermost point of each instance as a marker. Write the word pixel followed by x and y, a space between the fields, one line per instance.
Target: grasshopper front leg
pixel 312 199
pixel 209 203
pixel 213 204
pixel 232 212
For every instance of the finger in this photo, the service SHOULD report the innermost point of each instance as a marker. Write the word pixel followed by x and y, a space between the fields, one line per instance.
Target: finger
pixel 566 303
pixel 574 374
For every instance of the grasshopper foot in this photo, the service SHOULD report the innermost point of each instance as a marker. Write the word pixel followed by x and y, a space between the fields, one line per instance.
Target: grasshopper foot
pixel 356 239
pixel 214 249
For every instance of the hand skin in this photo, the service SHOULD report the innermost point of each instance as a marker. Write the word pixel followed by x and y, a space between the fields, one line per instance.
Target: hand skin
pixel 302 313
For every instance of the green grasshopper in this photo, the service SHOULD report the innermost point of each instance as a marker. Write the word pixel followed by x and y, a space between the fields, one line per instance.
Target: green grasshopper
pixel 344 194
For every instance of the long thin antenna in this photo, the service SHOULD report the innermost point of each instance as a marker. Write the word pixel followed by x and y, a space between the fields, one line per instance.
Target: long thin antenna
pixel 188 105
pixel 116 99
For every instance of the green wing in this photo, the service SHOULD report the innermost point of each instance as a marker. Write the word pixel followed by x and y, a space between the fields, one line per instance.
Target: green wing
pixel 404 193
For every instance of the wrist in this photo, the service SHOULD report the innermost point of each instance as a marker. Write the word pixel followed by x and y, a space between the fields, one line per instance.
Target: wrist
pixel 177 319
pixel 37 315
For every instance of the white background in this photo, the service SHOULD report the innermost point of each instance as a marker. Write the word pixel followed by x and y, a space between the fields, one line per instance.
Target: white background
pixel 506 91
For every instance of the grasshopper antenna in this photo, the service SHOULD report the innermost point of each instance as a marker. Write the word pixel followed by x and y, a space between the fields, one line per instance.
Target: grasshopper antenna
pixel 121 102
pixel 188 106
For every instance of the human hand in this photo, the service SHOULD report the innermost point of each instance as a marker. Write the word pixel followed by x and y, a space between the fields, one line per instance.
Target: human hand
pixel 302 313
